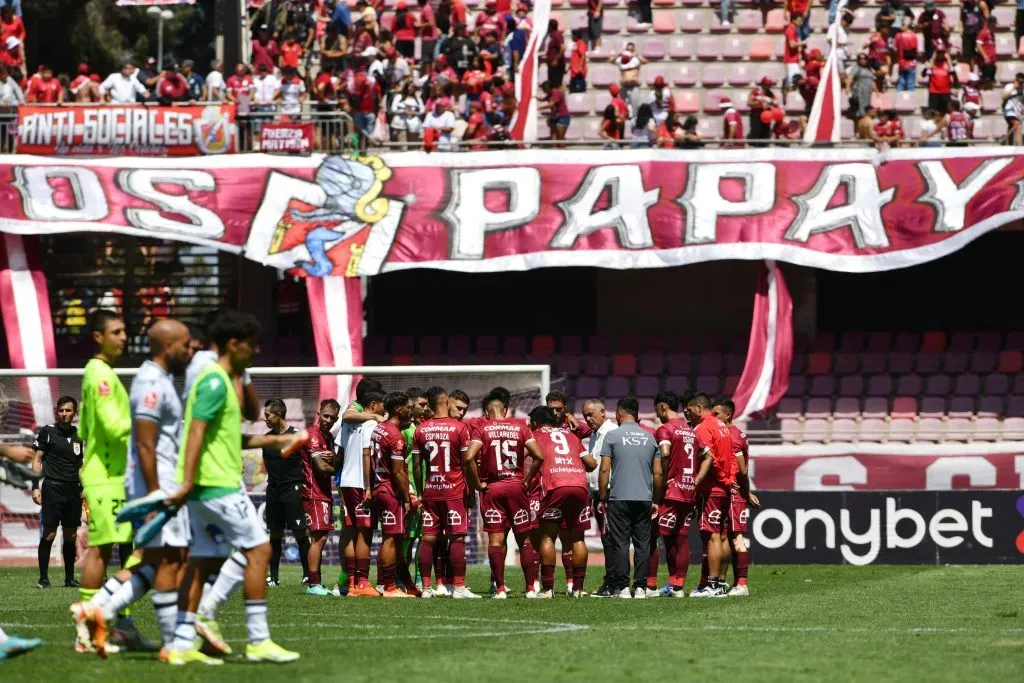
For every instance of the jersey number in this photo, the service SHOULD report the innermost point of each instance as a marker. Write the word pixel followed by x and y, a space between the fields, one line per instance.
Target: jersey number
pixel 688 449
pixel 433 449
pixel 561 443
pixel 504 456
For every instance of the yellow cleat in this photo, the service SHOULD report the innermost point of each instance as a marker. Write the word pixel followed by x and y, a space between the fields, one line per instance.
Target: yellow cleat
pixel 269 651
pixel 193 656
pixel 209 630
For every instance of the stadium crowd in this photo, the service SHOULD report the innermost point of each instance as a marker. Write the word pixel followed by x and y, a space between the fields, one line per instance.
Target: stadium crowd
pixel 436 73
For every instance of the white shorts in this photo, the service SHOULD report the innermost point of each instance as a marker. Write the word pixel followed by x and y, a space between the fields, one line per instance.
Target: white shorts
pixel 793 69
pixel 174 534
pixel 220 524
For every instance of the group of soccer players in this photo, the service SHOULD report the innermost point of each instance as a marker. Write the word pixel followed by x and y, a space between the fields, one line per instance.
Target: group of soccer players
pixel 413 465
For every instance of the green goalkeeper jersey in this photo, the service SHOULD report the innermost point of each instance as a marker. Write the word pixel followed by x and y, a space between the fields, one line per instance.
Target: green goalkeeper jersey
pixel 104 424
pixel 213 400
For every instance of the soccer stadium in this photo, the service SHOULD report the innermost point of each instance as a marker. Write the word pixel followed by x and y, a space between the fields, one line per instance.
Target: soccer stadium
pixel 445 327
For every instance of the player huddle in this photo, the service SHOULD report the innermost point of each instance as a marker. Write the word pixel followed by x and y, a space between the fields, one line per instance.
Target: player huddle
pixel 411 464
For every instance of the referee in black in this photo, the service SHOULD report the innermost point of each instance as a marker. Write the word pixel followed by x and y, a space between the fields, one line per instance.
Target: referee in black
pixel 59 450
pixel 284 493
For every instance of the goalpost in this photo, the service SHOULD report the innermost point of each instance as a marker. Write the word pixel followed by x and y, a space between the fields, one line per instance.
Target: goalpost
pixel 24 393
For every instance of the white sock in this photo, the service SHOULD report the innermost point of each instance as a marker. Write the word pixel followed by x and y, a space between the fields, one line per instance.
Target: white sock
pixel 165 603
pixel 99 599
pixel 232 574
pixel 130 592
pixel 3 637
pixel 256 621
pixel 184 631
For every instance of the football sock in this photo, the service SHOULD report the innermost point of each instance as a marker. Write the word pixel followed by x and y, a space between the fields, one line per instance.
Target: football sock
pixel 165 604
pixel 314 577
pixel 387 576
pixel 87 594
pixel 348 574
pixel 440 559
pixel 303 542
pixel 44 558
pixel 529 560
pixel 184 631
pixel 426 562
pixel 101 596
pixel 232 574
pixel 362 571
pixel 704 568
pixel 681 554
pixel 457 560
pixel 567 565
pixel 547 578
pixel 579 575
pixel 69 551
pixel 402 571
pixel 130 591
pixel 741 563
pixel 256 621
pixel 496 556
pixel 653 564
pixel 276 545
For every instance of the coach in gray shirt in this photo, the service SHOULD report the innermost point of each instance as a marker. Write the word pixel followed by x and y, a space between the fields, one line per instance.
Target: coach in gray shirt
pixel 630 474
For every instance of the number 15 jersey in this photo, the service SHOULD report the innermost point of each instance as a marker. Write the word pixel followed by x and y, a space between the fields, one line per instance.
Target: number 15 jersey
pixel 504 449
pixel 685 447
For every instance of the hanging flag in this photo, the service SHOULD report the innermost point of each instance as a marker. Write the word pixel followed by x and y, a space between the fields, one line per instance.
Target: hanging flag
pixel 336 310
pixel 28 324
pixel 524 122
pixel 765 377
pixel 824 123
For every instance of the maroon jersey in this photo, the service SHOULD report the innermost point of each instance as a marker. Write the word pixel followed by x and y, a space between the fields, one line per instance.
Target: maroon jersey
pixel 563 458
pixel 504 449
pixel 582 431
pixel 739 445
pixel 386 446
pixel 443 440
pixel 684 446
pixel 713 433
pixel 315 484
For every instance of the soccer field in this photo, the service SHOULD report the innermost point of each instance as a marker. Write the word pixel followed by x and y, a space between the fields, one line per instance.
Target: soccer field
pixel 800 624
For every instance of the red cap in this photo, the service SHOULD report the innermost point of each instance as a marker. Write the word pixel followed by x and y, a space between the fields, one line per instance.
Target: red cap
pixel 400 5
pixel 614 89
pixel 441 60
pixel 766 81
pixel 659 81
pixel 509 88
pixel 83 68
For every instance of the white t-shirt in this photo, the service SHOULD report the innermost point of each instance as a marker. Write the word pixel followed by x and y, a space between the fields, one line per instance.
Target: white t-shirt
pixel 352 467
pixel 264 89
pixel 445 120
pixel 291 91
pixel 842 40
pixel 596 444
pixel 215 86
pixel 122 90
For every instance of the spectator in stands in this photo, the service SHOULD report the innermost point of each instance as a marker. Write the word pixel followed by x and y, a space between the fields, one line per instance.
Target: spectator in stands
pixel 660 100
pixel 732 124
pixel 792 51
pixel 363 36
pixel 516 35
pixel 866 124
pixel 341 18
pixel 476 127
pixel 364 93
pixel 669 131
pixel 878 50
pixel 645 130
pixel 405 29
pixel 375 67
pixel 1013 109
pixel 969 93
pixel 291 93
pixel 629 63
pixel 489 21
pixel 595 22
pixel 760 98
pixel 215 88
pixel 264 50
pixel 407 112
pixel 240 87
pixel 490 54
pixel 986 57
pixel 426 27
pixel 11 94
pixel 12 39
pixel 368 17
pixel 46 89
pixel 196 83
pixel 842 37
pixel 554 55
pixel 933 25
pixel 461 50
pixel 396 69
pixel 440 123
pixel 122 87
pixel 860 82
pixel 621 108
pixel 83 88
pixel 645 15
pixel 725 12
pixel 893 13
pixel 148 76
pixel 959 126
pixel 905 47
pixel 172 86
pixel 807 86
pixel 333 47
pixel 264 96
pixel 556 108
pixel 578 63
pixel 610 128
pixel 931 131
pixel 941 81
pixel 800 8
pixel 290 52
pixel 973 16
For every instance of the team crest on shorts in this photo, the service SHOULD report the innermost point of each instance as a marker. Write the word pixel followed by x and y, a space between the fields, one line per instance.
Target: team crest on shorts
pixel 454 518
pixel 715 516
pixel 744 516
pixel 492 516
pixel 428 518
pixel 388 517
pixel 521 517
pixel 667 520
pixel 362 512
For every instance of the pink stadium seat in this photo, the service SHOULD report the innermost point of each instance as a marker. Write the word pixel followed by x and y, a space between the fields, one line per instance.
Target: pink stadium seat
pixel 883 100
pixel 928 362
pixel 762 48
pixel 905 341
pixel 909 385
pixel 790 408
pixel 792 430
pixel 795 104
pixel 873 429
pixel 588 387
pixel 991 406
pixel 685 75
pixel 1015 406
pixel 687 102
pixel 597 366
pixel 961 406
pixel 991 101
pixel 651 364
pixel 983 361
pixel 955 362
pixel 748 21
pixel 579 22
pixel 691 21
pixel 714 75
pixel 677 384
pixel 879 385
pixel 709 384
pixel 938 385
pixel 736 48
pixel 612 23
pixel 707 48
pixel 902 429
pixel 717 26
pixel 905 102
pixel 1005 16
pixel 930 429
pixel 819 363
pixel 580 104
pixel 776 22
pixel 816 430
pixel 904 407
pixel 654 49
pixel 797 385
pixel 616 387
pixel 712 104
pixel 654 70
pixel 1010 361
pixel 958 429
pixel 984 130
pixel 997 384
pixel 399 359
pixel 901 362
pixel 664 3
pixel 1006 45
pixel 579 4
pixel 679 364
pixel 987 429
pixel 741 75
pixel 1005 71
pixel 851 385
pixel 967 385
pixel 603 75
pixel 876 407
pixel 843 430
pixel 710 363
pixel 818 408
pixel 602 98
pixel 568 365
pixel 680 48
pixel 847 408
pixel 623 365
pixel 647 386
pixel 1013 429
pixel 634 27
pixel 707 128
pixel 846 363
pixel 664 22
pixel 863 21
pixel 542 345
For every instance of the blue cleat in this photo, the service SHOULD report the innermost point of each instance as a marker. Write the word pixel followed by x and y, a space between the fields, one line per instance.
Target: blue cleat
pixel 14 646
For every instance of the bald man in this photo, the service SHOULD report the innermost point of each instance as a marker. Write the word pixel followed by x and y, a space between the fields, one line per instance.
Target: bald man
pixel 156 430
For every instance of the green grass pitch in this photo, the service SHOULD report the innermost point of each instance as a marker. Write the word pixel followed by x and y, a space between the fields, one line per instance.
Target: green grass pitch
pixel 800 624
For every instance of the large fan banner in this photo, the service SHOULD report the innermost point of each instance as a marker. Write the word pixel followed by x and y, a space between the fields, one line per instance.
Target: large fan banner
pixel 127 130
pixel 846 210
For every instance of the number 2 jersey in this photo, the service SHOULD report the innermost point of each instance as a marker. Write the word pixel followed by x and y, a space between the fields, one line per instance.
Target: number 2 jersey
pixel 684 447
pixel 316 485
pixel 504 449
pixel 387 445
pixel 442 442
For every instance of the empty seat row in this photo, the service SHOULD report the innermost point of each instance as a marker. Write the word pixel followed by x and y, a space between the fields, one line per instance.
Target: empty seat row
pixel 886 385
pixel 823 363
pixel 927 429
pixel 904 407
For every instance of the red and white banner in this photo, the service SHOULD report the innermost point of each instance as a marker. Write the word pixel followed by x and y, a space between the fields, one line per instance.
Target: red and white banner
pixel 765 377
pixel 888 467
pixel 28 325
pixel 524 122
pixel 296 138
pixel 517 210
pixel 336 309
pixel 825 122
pixel 127 130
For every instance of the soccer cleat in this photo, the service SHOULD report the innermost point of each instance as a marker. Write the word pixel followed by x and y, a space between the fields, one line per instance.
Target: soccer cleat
pixel 209 630
pixel 701 591
pixel 13 646
pixel 500 593
pixel 192 656
pixel 427 593
pixel 397 593
pixel 624 593
pixel 463 593
pixel 580 594
pixel 269 651
pixel 340 591
pixel 272 582
pixel 319 591
pixel 604 592
pixel 98 630
pixel 364 591
pixel 672 592
pixel 412 590
pixel 739 592
pixel 532 594
pixel 126 636
pixel 719 591
pixel 43 583
pixel 379 587
pixel 639 592
pixel 164 655
pixel 546 595
pixel 83 643
pixel 651 592
pixel 494 587
pixel 71 583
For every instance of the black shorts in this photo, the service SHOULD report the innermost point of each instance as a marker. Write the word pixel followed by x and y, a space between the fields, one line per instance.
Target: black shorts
pixel 62 505
pixel 284 508
pixel 406 48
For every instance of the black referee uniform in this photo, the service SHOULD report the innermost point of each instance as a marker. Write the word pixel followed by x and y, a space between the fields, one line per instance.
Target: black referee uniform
pixel 284 504
pixel 61 451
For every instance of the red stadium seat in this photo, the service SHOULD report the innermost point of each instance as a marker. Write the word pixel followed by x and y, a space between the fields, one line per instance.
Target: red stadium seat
pixel 933 342
pixel 402 360
pixel 904 407
pixel 713 76
pixel 687 102
pixel 685 75
pixel 680 48
pixel 664 22
pixel 748 21
pixel 1011 361
pixel 762 48
pixel 691 21
pixel 542 345
pixel 819 363
pixel 623 365
pixel 776 22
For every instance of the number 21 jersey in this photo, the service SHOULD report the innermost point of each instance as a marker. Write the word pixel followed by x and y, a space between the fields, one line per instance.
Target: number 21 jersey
pixel 504 449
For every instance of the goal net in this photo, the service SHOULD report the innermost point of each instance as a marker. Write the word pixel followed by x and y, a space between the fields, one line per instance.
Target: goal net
pixel 26 402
